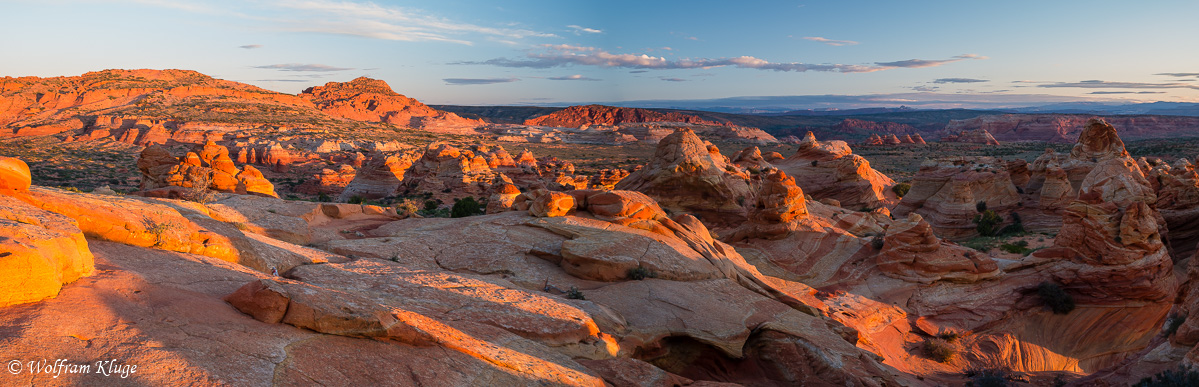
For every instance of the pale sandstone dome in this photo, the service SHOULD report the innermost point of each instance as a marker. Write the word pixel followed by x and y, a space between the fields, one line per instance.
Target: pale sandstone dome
pixel 947 194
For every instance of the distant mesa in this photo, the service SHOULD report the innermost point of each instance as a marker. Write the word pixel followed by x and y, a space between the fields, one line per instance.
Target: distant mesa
pixel 975 136
pixel 591 115
pixel 366 99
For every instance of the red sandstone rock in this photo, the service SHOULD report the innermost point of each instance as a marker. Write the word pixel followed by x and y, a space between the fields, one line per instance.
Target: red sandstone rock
pixel 40 251
pixel 947 194
pixel 211 167
pixel 977 136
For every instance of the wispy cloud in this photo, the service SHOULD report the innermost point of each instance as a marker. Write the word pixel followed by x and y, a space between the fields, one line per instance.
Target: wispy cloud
pixel 478 81
pixel 580 29
pixel 925 88
pixel 1127 92
pixel 567 55
pixel 638 71
pixel 830 42
pixel 672 79
pixel 302 67
pixel 959 80
pixel 1180 75
pixel 250 46
pixel 390 23
pixel 1097 84
pixel 576 77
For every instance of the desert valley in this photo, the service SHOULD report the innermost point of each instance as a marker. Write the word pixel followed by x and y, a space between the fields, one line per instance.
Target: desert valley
pixel 165 227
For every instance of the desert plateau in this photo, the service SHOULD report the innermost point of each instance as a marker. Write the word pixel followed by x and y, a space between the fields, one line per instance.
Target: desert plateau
pixel 475 194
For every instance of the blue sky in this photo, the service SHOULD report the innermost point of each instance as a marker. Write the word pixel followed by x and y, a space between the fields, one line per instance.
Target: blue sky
pixel 549 52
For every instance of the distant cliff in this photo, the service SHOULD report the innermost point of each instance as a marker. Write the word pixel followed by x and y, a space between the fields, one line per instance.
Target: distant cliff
pixel 1065 128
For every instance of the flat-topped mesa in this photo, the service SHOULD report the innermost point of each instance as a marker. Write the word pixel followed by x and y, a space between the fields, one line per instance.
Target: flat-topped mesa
pixel 208 165
pixel 830 170
pixel 366 99
pixel 973 136
pixel 688 174
pixel 948 195
pixel 592 115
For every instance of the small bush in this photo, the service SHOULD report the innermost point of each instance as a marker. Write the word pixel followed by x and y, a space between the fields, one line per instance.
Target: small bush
pixel 323 198
pixel 1055 297
pixel 1019 247
pixel 901 189
pixel 575 294
pixel 640 273
pixel 1182 376
pixel 987 378
pixel 877 243
pixel 814 163
pixel 980 206
pixel 199 191
pixel 949 337
pixel 938 349
pixel 356 199
pixel 987 222
pixel 407 207
pixel 466 207
pixel 431 205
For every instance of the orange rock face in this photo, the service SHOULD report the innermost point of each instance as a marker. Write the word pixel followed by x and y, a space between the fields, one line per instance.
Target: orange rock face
pixel 14 174
pixel 211 166
pixel 551 204
pixel 366 99
pixel 40 251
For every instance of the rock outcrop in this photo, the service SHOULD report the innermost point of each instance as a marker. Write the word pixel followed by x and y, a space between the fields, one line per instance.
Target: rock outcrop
pixel 912 252
pixel 1065 128
pixel 949 195
pixel 829 169
pixel 208 167
pixel 688 174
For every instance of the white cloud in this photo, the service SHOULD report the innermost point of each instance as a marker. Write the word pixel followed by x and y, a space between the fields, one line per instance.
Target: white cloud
pixel 387 22
pixel 580 29
pixel 830 42
pixel 567 55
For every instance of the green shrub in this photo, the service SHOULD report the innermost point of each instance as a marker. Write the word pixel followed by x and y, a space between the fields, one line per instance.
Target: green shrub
pixel 1182 376
pixel 987 378
pixel 980 206
pixel 901 189
pixel 431 205
pixel 987 222
pixel 938 349
pixel 640 273
pixel 356 199
pixel 877 243
pixel 1019 247
pixel 1055 297
pixel 1172 323
pixel 466 207
pixel 575 294
pixel 323 198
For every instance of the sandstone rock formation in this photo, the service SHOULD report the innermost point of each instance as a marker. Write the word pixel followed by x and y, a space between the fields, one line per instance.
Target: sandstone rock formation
pixel 687 174
pixel 829 169
pixel 40 251
pixel 947 194
pixel 209 166
pixel 912 252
